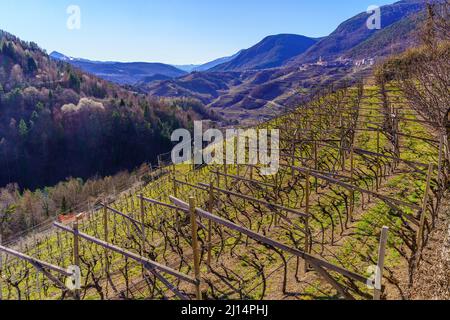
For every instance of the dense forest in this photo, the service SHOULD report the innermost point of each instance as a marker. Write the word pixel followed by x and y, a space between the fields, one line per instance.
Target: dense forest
pixel 57 122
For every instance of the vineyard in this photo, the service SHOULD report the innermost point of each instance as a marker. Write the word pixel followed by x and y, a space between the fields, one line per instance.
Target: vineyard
pixel 346 217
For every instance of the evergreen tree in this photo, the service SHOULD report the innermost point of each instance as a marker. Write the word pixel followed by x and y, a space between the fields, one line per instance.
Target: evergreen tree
pixel 23 128
pixel 31 65
pixel 74 82
pixel 64 208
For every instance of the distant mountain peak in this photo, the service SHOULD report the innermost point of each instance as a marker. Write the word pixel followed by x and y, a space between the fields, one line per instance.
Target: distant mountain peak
pixel 272 52
pixel 59 56
pixel 122 72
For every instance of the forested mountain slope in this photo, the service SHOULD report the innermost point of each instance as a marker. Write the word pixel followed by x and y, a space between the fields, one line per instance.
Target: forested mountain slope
pixel 354 31
pixel 57 122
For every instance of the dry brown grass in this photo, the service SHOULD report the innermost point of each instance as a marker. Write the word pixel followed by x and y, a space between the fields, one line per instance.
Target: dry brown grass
pixel 432 278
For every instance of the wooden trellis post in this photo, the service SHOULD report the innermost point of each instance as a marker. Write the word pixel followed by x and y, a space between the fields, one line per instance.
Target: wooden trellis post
pixel 175 192
pixel 380 265
pixel 150 265
pixel 352 192
pixel 378 140
pixel 225 169
pixel 210 209
pixel 76 253
pixel 397 138
pixel 60 247
pixel 142 223
pixel 174 180
pixel 424 209
pixel 343 154
pixel 316 165
pixel 106 235
pixel 160 166
pixel 43 267
pixel 307 201
pixel 38 284
pixel 238 167
pixel 195 248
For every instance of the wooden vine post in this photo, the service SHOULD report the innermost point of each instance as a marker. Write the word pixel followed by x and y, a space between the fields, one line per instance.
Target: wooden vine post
pixel 195 248
pixel 397 137
pixel 378 170
pixel 378 141
pixel 210 209
pixel 238 167
pixel 225 170
pixel 106 235
pixel 160 165
pixel 175 192
pixel 307 233
pixel 440 165
pixel 38 284
pixel 76 253
pixel 424 209
pixel 352 192
pixel 174 180
pixel 316 165
pixel 142 223
pixel 378 287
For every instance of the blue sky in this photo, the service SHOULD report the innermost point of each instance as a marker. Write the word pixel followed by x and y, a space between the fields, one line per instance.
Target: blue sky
pixel 170 31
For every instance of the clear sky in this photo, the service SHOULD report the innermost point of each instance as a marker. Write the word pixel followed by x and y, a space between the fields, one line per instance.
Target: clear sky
pixel 170 31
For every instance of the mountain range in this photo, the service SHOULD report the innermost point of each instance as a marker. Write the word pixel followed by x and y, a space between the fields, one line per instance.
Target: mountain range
pixel 271 52
pixel 123 72
pixel 132 73
pixel 282 70
pixel 351 41
pixel 354 32
pixel 59 115
pixel 277 72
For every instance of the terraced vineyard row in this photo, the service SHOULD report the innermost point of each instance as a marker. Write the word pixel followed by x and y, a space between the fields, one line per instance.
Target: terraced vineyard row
pixel 358 187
